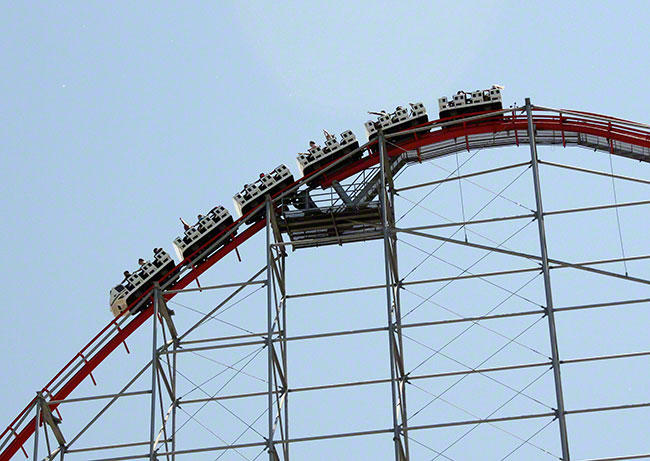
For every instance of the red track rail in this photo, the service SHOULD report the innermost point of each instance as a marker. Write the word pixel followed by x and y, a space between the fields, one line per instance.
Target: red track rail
pixel 610 128
pixel 613 129
pixel 92 363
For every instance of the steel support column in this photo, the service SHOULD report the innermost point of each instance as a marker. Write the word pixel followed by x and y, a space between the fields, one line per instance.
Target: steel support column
pixel 38 419
pixel 278 386
pixel 154 371
pixel 175 403
pixel 170 383
pixel 282 332
pixel 397 370
pixel 555 356
pixel 282 318
pixel 269 331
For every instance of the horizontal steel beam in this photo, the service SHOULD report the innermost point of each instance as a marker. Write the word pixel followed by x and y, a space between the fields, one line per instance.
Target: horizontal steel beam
pixel 469 175
pixel 213 347
pixel 597 207
pixel 524 216
pixel 209 315
pixel 465 277
pixel 426 376
pixel 604 261
pixel 405 325
pixel 385 431
pixel 414 282
pixel 347 238
pixel 215 287
pixel 98 397
pixel 596 172
pixel 372 381
pixel 629 406
pixel 620 458
pixel 469 223
pixel 112 447
pixel 525 256
pixel 525 313
pixel 224 338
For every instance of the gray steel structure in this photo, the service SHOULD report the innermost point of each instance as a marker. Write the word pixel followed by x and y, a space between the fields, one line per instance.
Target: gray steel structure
pixel 393 305
pixel 550 314
pixel 361 191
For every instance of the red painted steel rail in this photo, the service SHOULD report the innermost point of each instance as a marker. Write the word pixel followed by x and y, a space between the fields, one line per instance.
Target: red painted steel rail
pixel 563 123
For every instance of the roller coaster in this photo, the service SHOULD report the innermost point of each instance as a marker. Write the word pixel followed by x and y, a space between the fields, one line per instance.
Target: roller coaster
pixel 357 216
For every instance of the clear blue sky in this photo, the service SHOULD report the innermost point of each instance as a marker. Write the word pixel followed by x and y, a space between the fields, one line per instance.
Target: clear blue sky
pixel 119 117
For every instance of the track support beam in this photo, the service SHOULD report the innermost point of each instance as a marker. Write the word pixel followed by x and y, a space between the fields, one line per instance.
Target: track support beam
pixel 157 295
pixel 341 192
pixel 278 385
pixel 397 369
pixel 38 421
pixel 174 390
pixel 550 315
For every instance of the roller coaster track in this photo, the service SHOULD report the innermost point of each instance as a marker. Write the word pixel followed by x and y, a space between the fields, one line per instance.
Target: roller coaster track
pixel 431 140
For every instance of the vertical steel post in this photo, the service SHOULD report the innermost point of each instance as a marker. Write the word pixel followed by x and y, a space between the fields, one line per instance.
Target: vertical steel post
pixel 550 314
pixel 269 325
pixel 37 419
pixel 383 199
pixel 397 312
pixel 175 391
pixel 277 308
pixel 154 371
pixel 283 337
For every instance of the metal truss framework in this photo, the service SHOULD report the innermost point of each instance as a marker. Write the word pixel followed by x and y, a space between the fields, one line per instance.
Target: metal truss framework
pixel 393 306
pixel 163 366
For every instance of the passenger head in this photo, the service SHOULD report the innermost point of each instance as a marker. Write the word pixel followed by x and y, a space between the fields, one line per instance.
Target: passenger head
pixel 312 144
pixel 127 274
pixel 141 261
pixel 199 216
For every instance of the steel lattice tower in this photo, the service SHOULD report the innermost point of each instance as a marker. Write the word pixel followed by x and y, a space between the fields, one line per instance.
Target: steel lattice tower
pixel 458 287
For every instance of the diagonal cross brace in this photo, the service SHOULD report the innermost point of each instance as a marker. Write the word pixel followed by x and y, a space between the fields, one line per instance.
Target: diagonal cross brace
pixel 53 422
pixel 166 314
pixel 371 189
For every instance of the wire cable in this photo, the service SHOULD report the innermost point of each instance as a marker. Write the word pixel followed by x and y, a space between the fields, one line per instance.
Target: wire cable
pixel 462 201
pixel 435 188
pixel 219 390
pixel 495 426
pixel 498 194
pixel 223 406
pixel 473 216
pixel 510 399
pixel 618 219
pixel 228 366
pixel 242 434
pixel 477 366
pixel 197 387
pixel 491 378
pixel 411 439
pixel 528 441
pixel 209 430
pixel 215 317
pixel 477 323
pixel 465 270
